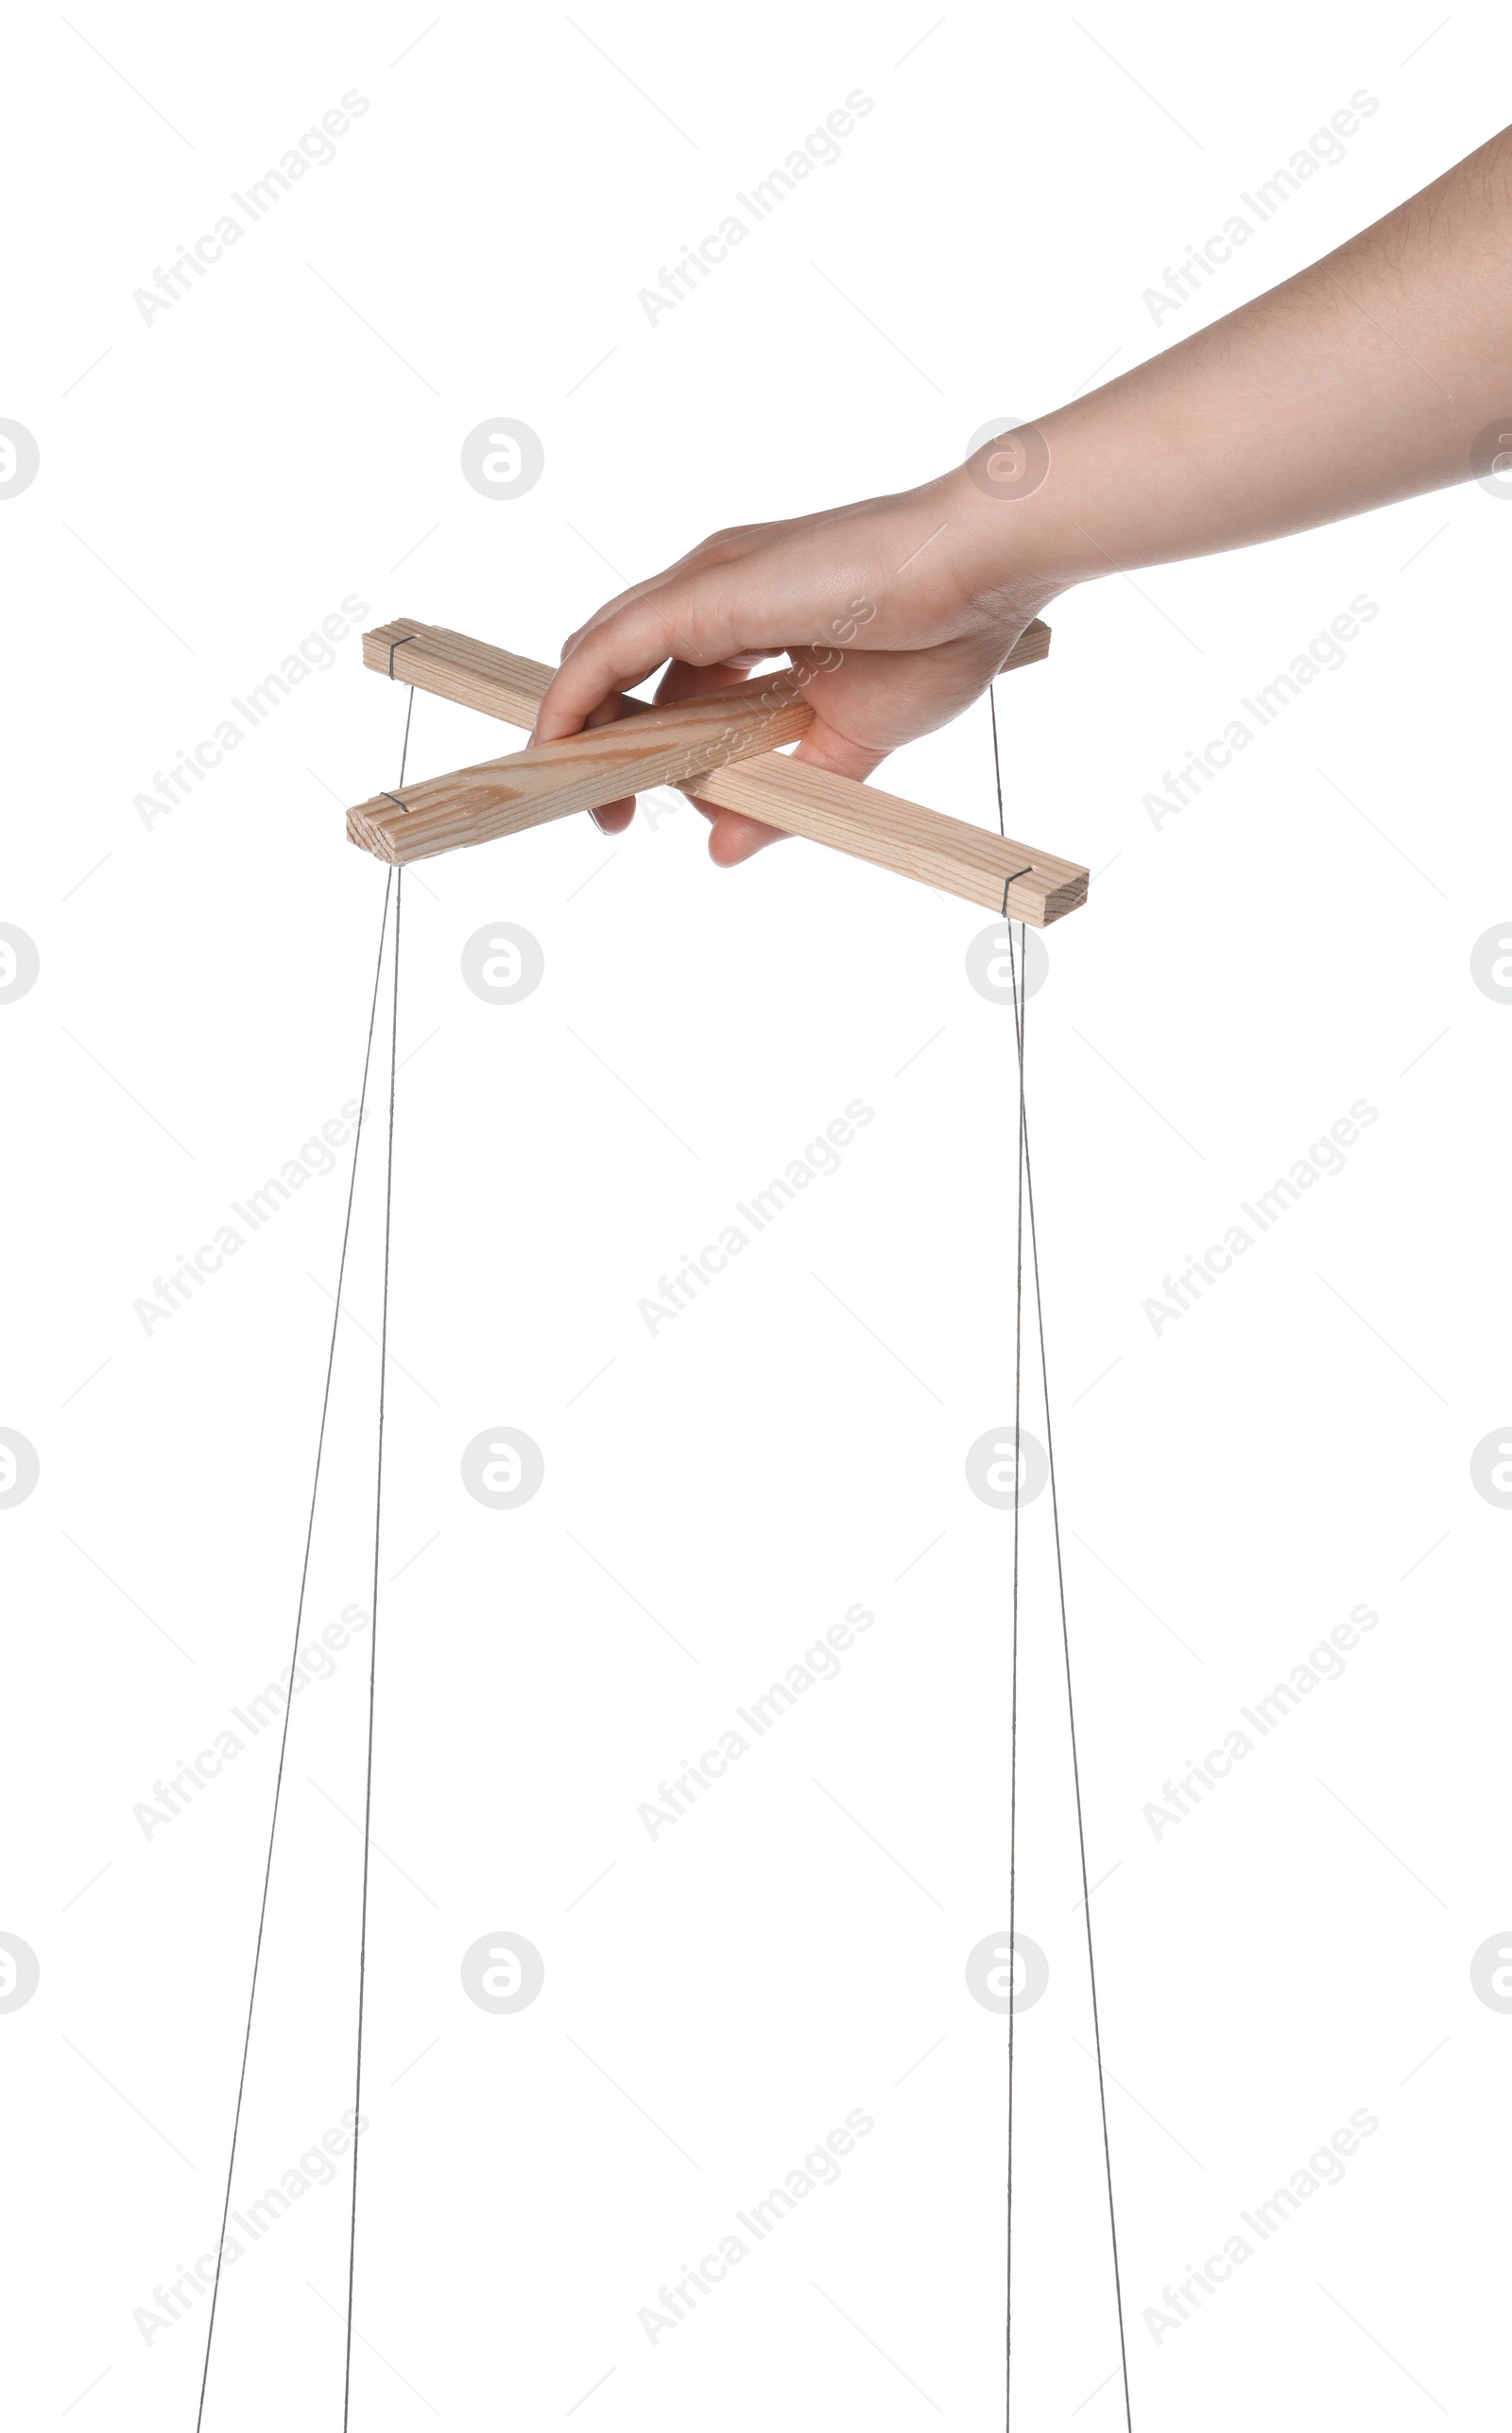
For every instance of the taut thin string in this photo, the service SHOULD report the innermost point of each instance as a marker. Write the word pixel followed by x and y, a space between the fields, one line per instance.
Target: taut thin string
pixel 372 1650
pixel 1018 964
pixel 393 891
pixel 1071 1698
pixel 288 1709
pixel 1013 1728
pixel 997 772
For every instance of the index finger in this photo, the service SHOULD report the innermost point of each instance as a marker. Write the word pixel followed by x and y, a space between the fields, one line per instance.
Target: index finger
pixel 601 660
pixel 624 649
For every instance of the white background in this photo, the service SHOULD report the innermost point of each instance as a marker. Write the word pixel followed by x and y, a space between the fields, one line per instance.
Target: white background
pixel 1298 1949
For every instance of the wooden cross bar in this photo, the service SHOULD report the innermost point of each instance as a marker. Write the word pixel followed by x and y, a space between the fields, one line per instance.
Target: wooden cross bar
pixel 719 747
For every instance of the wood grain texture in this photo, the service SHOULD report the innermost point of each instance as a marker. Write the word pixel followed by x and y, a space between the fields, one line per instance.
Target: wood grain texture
pixel 482 677
pixel 716 749
pixel 670 746
pixel 951 855
pixel 474 673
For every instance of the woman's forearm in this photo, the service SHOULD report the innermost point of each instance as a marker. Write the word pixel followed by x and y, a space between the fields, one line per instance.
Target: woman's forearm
pixel 1367 378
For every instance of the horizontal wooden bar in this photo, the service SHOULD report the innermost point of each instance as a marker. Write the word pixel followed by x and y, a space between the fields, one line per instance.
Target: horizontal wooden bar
pixel 1016 880
pixel 477 674
pixel 482 677
pixel 740 773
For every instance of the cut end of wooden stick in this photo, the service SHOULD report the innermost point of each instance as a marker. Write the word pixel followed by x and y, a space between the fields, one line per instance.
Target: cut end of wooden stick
pixel 366 830
pixel 1053 895
pixel 1033 643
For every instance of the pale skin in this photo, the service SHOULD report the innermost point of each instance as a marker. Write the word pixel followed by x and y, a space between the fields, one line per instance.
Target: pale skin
pixel 1380 372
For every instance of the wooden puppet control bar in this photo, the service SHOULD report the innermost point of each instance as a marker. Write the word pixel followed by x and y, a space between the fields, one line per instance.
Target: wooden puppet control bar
pixel 719 747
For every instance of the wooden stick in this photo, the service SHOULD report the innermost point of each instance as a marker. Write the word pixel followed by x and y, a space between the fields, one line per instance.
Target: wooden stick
pixel 474 673
pixel 482 677
pixel 717 748
pixel 1018 880
pixel 658 746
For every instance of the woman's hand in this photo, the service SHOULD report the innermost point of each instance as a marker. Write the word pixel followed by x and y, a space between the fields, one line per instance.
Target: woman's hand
pixel 875 603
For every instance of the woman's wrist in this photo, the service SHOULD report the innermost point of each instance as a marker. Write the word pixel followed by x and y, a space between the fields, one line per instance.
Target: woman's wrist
pixel 1018 540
